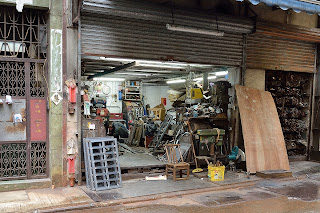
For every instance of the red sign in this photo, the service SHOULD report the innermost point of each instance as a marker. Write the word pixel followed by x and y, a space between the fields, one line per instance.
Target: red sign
pixel 164 101
pixel 38 115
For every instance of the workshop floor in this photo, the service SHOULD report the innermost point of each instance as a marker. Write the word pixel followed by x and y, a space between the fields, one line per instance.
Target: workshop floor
pixel 141 187
pixel 130 160
pixel 237 193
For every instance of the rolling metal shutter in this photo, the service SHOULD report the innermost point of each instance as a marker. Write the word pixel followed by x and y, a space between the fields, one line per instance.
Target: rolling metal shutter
pixel 132 29
pixel 272 49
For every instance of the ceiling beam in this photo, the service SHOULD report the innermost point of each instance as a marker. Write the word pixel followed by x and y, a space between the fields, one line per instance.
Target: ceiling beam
pixel 109 71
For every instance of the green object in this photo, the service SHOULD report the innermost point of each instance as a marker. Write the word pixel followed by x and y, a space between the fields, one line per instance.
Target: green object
pixel 208 137
pixel 234 153
pixel 210 132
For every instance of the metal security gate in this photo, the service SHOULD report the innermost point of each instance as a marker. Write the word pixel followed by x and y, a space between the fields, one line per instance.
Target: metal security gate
pixel 282 47
pixel 23 145
pixel 137 30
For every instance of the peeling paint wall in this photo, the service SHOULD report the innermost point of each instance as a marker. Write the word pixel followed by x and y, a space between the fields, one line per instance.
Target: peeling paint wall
pixel 56 60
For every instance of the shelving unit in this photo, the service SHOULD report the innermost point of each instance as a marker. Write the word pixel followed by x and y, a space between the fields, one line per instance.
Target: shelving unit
pixel 132 92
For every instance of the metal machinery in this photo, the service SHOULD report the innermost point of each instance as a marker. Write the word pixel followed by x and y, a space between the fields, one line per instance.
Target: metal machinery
pixel 211 142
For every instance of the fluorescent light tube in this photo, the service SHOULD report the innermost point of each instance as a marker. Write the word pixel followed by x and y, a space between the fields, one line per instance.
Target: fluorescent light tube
pixel 197 79
pixel 209 77
pixel 176 81
pixel 109 79
pixel 161 65
pixel 194 30
pixel 212 77
pixel 221 73
pixel 154 63
pixel 132 73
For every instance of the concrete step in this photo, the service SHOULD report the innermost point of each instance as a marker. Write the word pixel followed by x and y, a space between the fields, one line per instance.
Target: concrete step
pixel 12 185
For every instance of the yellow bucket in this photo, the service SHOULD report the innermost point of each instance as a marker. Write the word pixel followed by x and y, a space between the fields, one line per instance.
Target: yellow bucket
pixel 216 173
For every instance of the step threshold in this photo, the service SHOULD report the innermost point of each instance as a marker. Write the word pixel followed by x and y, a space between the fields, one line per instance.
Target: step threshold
pixel 13 185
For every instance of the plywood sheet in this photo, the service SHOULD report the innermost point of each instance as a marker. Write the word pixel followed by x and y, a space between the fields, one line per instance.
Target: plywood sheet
pixel 263 138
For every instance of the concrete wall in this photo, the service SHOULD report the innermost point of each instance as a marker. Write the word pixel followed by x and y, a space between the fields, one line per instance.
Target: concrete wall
pixel 255 78
pixel 56 115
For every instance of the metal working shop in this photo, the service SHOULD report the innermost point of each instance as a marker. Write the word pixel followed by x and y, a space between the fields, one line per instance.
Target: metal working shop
pixel 171 94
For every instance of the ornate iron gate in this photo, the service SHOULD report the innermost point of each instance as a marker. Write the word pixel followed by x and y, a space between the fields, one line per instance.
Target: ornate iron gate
pixel 23 44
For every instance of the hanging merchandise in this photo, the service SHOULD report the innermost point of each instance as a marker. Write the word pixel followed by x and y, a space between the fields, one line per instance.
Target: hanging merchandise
pixel 8 99
pixel 120 95
pixel 98 88
pixel 87 105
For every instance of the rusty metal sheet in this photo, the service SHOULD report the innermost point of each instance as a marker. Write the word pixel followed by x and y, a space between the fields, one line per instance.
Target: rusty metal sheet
pixel 9 130
pixel 263 138
pixel 276 53
pixel 38 118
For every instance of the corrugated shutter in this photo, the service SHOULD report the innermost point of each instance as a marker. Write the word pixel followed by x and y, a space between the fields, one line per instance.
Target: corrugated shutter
pixel 121 29
pixel 279 52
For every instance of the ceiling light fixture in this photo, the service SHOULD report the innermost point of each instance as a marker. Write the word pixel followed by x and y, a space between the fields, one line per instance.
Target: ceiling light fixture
pixel 221 73
pixel 180 28
pixel 176 81
pixel 201 79
pixel 158 63
pixel 109 79
pixel 212 77
pixel 197 79
pixel 132 73
pixel 173 66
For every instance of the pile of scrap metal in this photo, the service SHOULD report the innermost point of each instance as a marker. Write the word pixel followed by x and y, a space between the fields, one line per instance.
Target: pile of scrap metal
pixel 291 93
pixel 178 135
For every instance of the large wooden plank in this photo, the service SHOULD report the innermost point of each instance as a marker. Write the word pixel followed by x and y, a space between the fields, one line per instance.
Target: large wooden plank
pixel 263 138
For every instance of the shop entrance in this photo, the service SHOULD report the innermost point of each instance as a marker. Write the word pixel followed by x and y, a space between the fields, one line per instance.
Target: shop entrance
pixel 23 94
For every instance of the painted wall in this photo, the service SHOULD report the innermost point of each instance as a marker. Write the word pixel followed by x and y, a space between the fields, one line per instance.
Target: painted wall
pixel 153 94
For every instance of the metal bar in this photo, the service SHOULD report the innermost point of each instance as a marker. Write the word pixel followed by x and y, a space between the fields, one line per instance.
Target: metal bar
pixel 65 96
pixel 79 118
pixel 5 58
pixel 313 106
pixel 28 123
pixel 125 66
